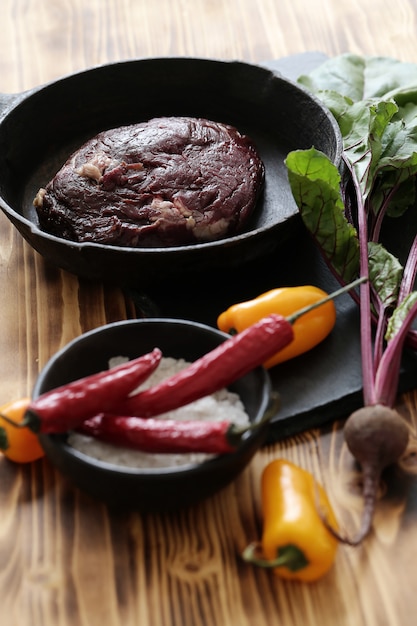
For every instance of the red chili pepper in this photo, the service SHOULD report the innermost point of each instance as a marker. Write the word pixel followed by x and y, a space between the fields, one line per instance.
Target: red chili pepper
pixel 217 369
pixel 65 407
pixel 168 436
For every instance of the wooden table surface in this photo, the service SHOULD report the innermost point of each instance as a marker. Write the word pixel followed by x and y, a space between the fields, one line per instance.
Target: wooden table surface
pixel 66 560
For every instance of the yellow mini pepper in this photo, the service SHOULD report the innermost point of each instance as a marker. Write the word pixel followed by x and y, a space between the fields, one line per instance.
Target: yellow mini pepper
pixel 296 543
pixel 18 444
pixel 309 330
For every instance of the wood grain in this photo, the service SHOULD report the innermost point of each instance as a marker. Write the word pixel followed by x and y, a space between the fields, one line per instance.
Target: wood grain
pixel 67 560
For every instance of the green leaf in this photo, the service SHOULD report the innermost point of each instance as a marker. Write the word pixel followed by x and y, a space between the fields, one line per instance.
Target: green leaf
pixel 393 167
pixel 399 147
pixel 397 318
pixel 343 74
pixel 361 78
pixel 397 193
pixel 315 184
pixel 340 106
pixel 407 105
pixel 385 273
pixel 366 140
pixel 364 127
pixel 374 101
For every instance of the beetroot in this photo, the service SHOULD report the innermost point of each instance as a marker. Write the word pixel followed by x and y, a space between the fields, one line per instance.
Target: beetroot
pixel 377 436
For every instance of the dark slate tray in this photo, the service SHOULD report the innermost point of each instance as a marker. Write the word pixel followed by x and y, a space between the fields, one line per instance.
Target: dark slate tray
pixel 320 386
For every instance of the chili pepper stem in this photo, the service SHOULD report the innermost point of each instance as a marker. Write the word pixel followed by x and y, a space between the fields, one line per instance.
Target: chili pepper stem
pixel 23 424
pixel 294 317
pixel 4 442
pixel 289 556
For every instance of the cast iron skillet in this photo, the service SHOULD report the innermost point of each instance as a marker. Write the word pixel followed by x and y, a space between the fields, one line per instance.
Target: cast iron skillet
pixel 40 128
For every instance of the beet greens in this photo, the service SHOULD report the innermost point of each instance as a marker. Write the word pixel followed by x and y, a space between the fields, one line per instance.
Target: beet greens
pixel 349 212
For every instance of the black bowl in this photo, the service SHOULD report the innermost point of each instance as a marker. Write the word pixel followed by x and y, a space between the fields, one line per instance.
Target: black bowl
pixel 149 489
pixel 49 123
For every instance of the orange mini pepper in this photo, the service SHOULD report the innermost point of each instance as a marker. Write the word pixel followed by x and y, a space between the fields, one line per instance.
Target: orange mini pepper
pixel 18 444
pixel 309 329
pixel 296 544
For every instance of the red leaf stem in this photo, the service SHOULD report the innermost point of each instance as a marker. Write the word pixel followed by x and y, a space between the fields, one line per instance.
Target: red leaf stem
pixel 365 301
pixel 387 375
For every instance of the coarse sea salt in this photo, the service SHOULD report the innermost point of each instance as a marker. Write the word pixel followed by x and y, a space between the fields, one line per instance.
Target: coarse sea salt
pixel 221 405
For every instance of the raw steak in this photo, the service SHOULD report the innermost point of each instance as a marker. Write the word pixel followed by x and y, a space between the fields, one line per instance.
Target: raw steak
pixel 166 182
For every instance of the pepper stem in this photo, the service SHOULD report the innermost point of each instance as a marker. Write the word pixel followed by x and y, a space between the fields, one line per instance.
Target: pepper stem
pixel 4 441
pixel 289 556
pixel 294 317
pixel 23 424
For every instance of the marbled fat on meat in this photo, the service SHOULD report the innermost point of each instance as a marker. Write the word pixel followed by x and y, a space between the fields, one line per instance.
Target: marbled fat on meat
pixel 166 182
